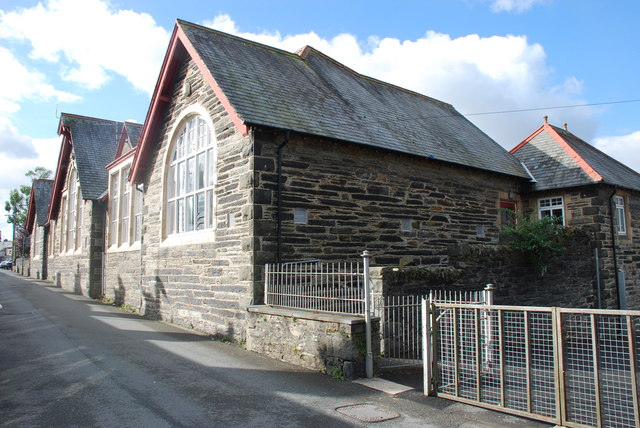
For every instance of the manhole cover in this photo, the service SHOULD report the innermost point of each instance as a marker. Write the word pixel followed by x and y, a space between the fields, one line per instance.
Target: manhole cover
pixel 366 412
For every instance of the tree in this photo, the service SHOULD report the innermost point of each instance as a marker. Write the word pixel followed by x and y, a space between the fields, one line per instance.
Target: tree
pixel 17 205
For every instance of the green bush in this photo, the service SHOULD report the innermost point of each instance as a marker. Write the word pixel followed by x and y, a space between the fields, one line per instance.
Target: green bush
pixel 537 239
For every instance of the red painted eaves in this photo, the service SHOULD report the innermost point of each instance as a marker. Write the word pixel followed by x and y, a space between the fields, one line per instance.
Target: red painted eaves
pixel 179 44
pixel 583 164
pixel 231 111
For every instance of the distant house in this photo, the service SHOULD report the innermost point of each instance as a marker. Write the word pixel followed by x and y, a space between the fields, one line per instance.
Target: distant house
pixel 250 154
pixel 36 225
pixel 585 188
pixel 78 202
pixel 6 250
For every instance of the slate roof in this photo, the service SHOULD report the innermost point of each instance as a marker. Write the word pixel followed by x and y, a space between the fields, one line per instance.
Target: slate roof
pixel 94 144
pixel 310 93
pixel 133 131
pixel 559 159
pixel 41 191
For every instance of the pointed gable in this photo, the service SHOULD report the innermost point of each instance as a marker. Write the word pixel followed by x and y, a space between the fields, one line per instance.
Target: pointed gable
pixel 128 140
pixel 39 203
pixel 559 159
pixel 93 142
pixel 311 93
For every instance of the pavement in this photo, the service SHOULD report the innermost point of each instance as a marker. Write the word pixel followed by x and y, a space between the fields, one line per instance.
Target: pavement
pixel 67 360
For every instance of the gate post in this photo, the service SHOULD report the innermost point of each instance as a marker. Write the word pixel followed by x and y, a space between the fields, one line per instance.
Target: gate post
pixel 427 349
pixel 367 314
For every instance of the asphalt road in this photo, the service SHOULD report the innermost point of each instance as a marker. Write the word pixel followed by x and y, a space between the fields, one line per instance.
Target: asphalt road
pixel 68 361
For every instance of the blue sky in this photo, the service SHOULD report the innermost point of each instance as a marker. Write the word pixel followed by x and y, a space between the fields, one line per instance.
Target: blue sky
pixel 102 58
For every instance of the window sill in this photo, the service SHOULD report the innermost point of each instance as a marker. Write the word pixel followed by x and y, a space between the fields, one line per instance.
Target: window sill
pixel 188 238
pixel 124 248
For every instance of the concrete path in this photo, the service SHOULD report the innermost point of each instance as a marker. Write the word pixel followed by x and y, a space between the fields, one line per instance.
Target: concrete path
pixel 66 360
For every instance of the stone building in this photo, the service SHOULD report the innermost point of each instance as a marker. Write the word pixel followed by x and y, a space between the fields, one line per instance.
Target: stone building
pixel 123 226
pixel 78 203
pixel 36 225
pixel 250 155
pixel 586 189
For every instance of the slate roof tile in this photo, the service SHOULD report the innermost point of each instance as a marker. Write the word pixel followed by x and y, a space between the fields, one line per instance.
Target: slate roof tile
pixel 42 193
pixel 313 94
pixel 559 159
pixel 94 144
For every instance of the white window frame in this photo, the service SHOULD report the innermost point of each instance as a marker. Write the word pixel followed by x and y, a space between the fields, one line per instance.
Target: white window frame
pixel 549 207
pixel 190 179
pixel 125 203
pixel 621 219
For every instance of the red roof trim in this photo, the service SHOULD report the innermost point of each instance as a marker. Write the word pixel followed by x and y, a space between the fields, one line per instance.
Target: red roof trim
pixel 237 120
pixel 153 114
pixel 588 169
pixel 179 43
pixel 526 140
pixel 31 212
pixel 61 170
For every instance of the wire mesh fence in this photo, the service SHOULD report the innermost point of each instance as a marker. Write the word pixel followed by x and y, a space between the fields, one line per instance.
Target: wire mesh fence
pixel 575 367
pixel 311 285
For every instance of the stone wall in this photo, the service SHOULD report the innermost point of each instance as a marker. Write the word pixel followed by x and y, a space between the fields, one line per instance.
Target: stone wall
pixel 70 269
pixel 587 209
pixel 200 280
pixel 570 280
pixel 335 344
pixel 38 265
pixel 359 198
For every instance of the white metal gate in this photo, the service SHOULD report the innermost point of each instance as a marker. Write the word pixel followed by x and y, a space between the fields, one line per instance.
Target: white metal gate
pixel 401 322
pixel 564 366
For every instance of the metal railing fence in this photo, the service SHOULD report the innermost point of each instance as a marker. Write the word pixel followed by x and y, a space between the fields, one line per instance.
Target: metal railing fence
pixel 312 285
pixel 565 366
pixel 401 321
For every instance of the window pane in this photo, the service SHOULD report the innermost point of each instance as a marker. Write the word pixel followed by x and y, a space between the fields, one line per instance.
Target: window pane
pixel 189 214
pixel 211 167
pixel 182 176
pixel 200 171
pixel 191 167
pixel 180 216
pixel 171 182
pixel 171 219
pixel 200 212
pixel 210 209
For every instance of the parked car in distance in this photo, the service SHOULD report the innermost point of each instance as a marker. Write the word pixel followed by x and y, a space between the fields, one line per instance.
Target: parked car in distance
pixel 7 264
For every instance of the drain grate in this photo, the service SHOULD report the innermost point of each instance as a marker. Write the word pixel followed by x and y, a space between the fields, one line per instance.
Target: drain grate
pixel 366 412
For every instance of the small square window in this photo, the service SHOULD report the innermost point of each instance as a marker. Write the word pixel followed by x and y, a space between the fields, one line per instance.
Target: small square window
pixel 300 216
pixel 551 207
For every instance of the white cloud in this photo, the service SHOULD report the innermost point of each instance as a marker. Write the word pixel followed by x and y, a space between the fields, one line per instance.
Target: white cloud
pixel 12 144
pixel 475 74
pixel 517 6
pixel 90 41
pixel 14 170
pixel 625 148
pixel 18 83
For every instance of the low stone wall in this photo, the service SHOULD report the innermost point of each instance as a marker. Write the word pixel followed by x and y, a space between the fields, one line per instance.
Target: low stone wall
pixel 570 280
pixel 318 341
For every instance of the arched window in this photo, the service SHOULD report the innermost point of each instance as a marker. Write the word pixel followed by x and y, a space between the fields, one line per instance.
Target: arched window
pixel 191 179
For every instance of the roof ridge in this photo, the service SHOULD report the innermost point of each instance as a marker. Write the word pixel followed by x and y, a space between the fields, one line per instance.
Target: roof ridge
pixel 79 116
pixel 305 51
pixel 238 38
pixel 592 147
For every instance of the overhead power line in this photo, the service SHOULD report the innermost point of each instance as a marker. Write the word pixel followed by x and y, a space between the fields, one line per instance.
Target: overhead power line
pixel 520 110
pixel 551 108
